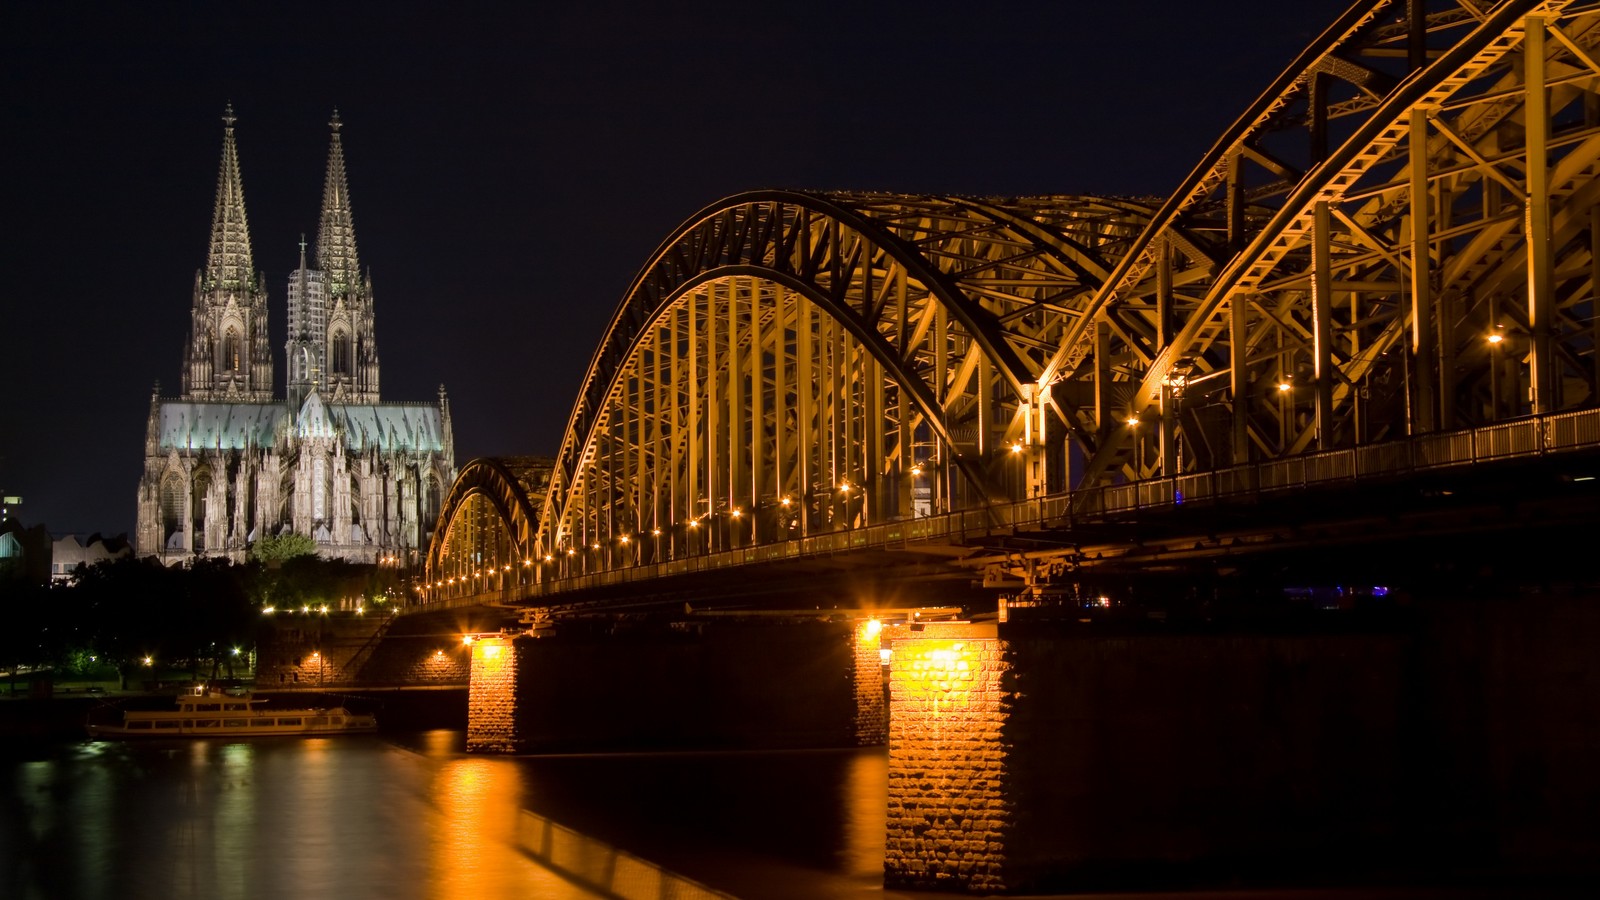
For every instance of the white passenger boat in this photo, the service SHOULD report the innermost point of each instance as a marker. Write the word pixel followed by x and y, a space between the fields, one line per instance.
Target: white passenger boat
pixel 219 715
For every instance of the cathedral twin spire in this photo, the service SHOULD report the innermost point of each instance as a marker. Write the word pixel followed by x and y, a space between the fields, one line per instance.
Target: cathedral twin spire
pixel 331 337
pixel 229 264
pixel 336 234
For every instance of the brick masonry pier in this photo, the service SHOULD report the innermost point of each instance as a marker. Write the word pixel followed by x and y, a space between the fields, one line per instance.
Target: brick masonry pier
pixel 1459 736
pixel 720 684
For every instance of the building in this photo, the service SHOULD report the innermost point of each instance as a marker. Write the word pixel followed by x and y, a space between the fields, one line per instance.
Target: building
pixel 24 552
pixel 228 461
pixel 67 554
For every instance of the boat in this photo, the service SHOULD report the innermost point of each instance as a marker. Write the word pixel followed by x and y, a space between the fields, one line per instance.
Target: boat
pixel 215 714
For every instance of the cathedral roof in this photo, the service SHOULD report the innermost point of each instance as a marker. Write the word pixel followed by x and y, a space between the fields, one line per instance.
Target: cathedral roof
pixel 391 426
pixel 407 427
pixel 219 426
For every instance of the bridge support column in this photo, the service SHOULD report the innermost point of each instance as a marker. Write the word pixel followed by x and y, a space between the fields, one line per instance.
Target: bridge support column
pixel 948 819
pixel 1035 756
pixel 492 722
pixel 871 640
pixel 706 683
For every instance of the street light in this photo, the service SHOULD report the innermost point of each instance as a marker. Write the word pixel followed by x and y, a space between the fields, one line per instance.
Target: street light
pixel 1495 339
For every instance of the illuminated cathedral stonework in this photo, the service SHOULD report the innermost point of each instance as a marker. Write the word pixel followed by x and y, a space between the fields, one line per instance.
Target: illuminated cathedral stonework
pixel 227 462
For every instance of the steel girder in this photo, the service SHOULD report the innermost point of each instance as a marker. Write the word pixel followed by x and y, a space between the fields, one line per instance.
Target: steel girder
pixel 486 528
pixel 1399 236
pixel 782 350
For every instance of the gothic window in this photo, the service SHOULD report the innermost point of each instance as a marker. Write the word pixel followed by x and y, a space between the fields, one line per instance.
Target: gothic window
pixel 230 351
pixel 202 488
pixel 431 510
pixel 319 490
pixel 171 506
pixel 341 353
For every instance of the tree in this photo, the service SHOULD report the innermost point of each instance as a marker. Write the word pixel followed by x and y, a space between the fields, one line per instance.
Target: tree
pixel 283 547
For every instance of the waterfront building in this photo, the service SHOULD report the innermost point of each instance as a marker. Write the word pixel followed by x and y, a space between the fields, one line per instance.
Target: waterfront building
pixel 228 462
pixel 68 553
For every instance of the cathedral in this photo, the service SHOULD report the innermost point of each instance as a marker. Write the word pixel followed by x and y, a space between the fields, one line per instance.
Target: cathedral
pixel 227 462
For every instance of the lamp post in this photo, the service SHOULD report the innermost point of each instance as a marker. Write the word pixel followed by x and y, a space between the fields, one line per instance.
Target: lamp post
pixel 1495 339
pixel 1175 382
pixel 1138 443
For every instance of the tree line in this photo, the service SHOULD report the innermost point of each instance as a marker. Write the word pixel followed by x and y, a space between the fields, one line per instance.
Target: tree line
pixel 123 612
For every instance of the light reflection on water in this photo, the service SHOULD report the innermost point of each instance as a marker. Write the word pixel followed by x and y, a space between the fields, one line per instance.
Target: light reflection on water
pixel 349 817
pixel 356 817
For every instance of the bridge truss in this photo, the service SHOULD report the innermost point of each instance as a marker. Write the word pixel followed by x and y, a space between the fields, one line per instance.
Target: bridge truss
pixel 1399 237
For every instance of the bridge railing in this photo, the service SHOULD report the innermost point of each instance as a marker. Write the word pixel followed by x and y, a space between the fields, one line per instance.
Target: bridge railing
pixel 1529 437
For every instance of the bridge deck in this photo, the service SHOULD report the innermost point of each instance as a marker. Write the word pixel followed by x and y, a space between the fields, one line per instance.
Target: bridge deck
pixel 925 548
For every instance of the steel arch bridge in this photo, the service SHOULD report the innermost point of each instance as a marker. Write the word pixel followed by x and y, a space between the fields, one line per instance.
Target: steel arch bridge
pixel 1400 237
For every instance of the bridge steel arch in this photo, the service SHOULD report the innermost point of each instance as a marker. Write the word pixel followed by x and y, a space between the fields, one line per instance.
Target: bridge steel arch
pixel 788 363
pixel 1399 236
pixel 485 538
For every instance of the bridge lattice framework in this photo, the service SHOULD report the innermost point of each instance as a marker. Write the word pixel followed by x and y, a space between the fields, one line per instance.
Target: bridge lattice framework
pixel 1399 237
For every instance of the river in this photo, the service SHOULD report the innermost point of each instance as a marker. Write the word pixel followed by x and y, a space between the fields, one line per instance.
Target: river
pixel 401 816
pixel 412 816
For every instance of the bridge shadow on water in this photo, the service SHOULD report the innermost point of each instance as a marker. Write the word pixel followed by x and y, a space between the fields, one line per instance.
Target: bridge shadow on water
pixel 758 824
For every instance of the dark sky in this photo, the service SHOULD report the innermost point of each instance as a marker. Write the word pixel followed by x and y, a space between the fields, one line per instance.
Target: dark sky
pixel 512 166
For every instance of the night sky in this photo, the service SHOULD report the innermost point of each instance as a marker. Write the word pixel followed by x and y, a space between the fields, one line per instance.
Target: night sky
pixel 512 168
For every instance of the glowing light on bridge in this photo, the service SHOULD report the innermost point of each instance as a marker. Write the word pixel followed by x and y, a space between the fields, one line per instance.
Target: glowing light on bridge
pixel 898 337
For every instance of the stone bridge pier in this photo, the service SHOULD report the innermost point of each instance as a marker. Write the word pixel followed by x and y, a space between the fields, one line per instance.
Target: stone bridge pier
pixel 1459 737
pixel 699 684
pixel 1448 734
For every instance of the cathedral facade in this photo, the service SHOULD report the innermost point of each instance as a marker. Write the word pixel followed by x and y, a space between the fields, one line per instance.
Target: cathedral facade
pixel 228 462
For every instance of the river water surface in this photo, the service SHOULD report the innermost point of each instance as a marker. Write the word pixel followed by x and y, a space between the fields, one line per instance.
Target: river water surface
pixel 411 816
